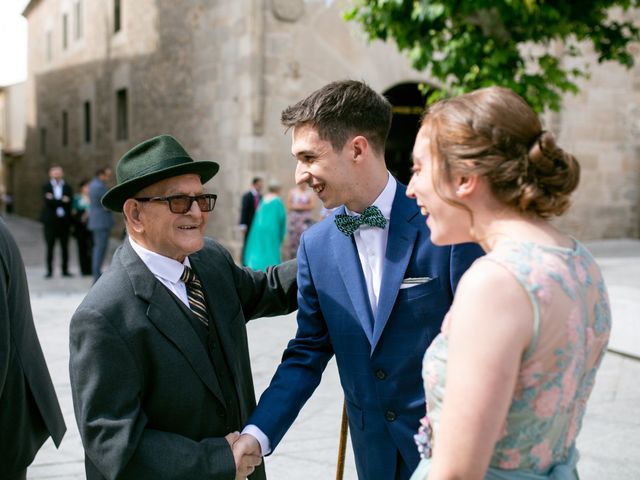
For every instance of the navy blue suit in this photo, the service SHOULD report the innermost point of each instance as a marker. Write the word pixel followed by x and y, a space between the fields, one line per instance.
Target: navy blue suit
pixel 379 359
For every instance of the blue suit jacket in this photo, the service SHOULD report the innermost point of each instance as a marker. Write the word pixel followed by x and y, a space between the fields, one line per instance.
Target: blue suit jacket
pixel 379 359
pixel 99 217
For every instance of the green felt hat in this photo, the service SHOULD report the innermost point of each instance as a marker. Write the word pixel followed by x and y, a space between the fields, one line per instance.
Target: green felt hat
pixel 149 162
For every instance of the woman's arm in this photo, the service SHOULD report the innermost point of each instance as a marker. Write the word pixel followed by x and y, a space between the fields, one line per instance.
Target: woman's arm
pixel 490 326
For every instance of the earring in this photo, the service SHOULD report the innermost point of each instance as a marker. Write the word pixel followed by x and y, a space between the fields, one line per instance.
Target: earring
pixel 458 192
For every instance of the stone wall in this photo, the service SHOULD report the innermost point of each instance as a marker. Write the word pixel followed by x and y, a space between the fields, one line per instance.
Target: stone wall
pixel 217 74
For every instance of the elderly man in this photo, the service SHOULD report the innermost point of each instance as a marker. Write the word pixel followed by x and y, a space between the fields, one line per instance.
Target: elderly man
pixel 159 364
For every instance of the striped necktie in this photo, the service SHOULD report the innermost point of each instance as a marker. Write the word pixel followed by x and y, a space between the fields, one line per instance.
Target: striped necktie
pixel 195 295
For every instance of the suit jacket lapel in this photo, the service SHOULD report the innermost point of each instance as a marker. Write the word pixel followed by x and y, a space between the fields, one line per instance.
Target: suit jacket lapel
pixel 169 318
pixel 400 242
pixel 345 255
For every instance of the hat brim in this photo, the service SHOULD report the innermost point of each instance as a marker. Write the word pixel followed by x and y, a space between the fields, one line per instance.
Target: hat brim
pixel 114 199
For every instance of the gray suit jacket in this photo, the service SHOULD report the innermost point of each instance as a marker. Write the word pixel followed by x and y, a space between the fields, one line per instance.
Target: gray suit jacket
pixel 99 217
pixel 29 409
pixel 146 399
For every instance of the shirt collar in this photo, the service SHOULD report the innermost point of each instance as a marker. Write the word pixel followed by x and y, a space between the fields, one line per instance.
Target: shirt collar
pixel 161 266
pixel 385 200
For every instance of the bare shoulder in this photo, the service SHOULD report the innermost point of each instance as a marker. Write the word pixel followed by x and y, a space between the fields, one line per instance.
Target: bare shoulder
pixel 489 299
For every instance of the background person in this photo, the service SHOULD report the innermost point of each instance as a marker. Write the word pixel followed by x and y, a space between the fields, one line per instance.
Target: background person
pixel 159 363
pixel 100 220
pixel 80 215
pixel 29 408
pixel 249 205
pixel 267 232
pixel 508 378
pixel 300 205
pixel 56 218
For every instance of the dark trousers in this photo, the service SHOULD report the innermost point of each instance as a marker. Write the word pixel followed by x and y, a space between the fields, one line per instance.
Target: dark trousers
pixel 100 244
pixel 60 232
pixel 85 245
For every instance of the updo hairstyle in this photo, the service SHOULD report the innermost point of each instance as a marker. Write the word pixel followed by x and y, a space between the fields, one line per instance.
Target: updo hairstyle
pixel 494 133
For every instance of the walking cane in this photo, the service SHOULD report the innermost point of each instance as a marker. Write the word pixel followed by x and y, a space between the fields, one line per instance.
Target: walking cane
pixel 342 447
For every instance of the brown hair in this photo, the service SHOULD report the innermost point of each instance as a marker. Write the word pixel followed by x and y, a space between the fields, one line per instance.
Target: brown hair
pixel 494 133
pixel 341 110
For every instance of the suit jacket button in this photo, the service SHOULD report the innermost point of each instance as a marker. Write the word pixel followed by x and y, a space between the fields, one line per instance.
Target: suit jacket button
pixel 390 415
pixel 381 374
pixel 220 412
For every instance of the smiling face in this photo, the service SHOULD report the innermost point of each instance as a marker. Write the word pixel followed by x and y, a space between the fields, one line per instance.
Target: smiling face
pixel 448 223
pixel 327 172
pixel 170 234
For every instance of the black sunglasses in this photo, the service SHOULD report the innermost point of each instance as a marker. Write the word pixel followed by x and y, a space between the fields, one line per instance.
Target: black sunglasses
pixel 182 203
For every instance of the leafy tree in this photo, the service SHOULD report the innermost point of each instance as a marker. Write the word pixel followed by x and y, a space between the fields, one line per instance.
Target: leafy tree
pixel 520 44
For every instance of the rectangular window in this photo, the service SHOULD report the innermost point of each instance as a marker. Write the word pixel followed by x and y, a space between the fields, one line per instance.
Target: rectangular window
pixel 77 10
pixel 65 128
pixel 122 112
pixel 87 122
pixel 49 45
pixel 117 16
pixel 43 141
pixel 65 31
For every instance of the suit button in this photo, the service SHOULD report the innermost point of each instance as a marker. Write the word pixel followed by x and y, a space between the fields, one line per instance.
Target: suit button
pixel 220 412
pixel 381 374
pixel 390 415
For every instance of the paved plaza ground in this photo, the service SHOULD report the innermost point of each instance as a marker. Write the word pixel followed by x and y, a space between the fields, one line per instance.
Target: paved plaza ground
pixel 609 442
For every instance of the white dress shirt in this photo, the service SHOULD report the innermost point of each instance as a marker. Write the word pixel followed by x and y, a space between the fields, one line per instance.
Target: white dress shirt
pixel 167 270
pixel 371 243
pixel 57 194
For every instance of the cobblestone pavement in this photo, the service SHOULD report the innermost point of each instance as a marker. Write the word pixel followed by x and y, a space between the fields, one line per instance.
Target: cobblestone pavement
pixel 609 442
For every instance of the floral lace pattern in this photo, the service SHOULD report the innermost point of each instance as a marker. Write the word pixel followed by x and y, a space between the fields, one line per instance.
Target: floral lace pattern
pixel 572 320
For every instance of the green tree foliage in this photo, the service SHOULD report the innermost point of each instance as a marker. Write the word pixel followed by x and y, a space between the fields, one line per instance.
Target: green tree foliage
pixel 520 44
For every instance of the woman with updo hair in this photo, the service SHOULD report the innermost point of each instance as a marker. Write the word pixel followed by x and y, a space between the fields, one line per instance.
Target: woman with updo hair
pixel 508 378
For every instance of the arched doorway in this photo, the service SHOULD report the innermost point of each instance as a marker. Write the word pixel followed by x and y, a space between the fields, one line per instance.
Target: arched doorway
pixel 408 104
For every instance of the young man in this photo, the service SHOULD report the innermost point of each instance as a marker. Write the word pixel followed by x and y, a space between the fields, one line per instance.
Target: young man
pixel 56 218
pixel 160 371
pixel 373 289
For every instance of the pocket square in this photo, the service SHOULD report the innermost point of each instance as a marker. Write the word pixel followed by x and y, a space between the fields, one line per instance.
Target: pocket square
pixel 414 281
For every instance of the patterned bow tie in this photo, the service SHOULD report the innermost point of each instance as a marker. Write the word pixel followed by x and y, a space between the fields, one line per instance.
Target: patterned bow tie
pixel 371 216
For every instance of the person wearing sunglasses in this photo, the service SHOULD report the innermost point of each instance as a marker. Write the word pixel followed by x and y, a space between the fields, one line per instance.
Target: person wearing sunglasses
pixel 159 364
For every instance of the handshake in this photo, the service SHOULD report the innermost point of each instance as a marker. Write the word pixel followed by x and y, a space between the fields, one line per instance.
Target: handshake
pixel 246 453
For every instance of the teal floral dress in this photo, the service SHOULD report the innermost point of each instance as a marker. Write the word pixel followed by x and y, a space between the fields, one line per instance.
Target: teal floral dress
pixel 572 320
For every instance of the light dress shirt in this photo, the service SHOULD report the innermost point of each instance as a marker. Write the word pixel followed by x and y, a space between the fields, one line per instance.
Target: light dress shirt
pixel 167 270
pixel 371 243
pixel 57 194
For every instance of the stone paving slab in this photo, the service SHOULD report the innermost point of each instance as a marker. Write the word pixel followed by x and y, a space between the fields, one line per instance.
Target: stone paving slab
pixel 609 441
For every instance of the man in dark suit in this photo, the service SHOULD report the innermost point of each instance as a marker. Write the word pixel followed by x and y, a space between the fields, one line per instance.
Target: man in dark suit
pixel 100 220
pixel 159 365
pixel 373 289
pixel 56 217
pixel 29 409
pixel 250 201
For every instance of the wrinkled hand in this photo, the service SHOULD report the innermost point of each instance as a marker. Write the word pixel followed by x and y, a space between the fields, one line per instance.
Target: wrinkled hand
pixel 247 454
pixel 232 437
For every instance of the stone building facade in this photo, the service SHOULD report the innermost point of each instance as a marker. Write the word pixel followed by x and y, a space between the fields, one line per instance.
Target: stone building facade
pixel 107 74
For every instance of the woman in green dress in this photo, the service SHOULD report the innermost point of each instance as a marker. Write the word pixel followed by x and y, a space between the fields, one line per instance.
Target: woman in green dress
pixel 267 231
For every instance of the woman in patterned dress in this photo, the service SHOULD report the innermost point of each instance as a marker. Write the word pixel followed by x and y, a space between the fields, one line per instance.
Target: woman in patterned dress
pixel 300 205
pixel 508 378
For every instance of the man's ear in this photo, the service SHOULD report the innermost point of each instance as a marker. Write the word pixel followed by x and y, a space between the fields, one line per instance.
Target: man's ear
pixel 131 211
pixel 359 148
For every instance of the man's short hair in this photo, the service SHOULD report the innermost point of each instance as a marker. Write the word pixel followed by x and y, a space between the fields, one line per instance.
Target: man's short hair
pixel 256 180
pixel 102 171
pixel 342 110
